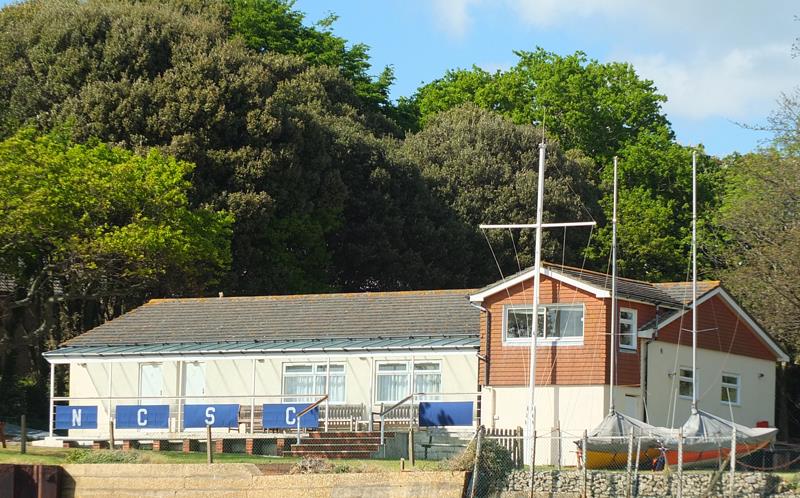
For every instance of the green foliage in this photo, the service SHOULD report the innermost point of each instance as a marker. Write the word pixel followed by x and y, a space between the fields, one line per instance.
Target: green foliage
pixel 101 219
pixel 102 456
pixel 494 465
pixel 755 239
pixel 655 207
pixel 484 168
pixel 274 26
pixel 594 107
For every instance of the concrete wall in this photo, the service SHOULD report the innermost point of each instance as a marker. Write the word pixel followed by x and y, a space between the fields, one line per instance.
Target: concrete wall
pixel 247 480
pixel 232 378
pixel 757 381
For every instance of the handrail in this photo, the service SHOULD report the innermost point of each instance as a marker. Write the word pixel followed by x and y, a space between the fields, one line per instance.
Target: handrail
pixel 400 403
pixel 312 406
pixel 184 397
pixel 306 410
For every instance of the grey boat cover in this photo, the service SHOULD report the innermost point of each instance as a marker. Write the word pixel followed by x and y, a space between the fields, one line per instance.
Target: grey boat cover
pixel 704 431
pixel 613 434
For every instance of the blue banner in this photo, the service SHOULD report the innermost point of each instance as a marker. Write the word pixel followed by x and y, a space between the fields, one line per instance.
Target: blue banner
pixel 195 416
pixel 445 413
pixel 284 416
pixel 142 417
pixel 76 417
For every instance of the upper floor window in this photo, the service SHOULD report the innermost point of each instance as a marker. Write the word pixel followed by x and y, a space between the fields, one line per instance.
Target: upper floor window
pixel 627 328
pixel 557 322
pixel 730 389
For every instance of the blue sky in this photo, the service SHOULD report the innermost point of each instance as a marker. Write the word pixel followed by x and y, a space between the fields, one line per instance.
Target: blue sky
pixel 719 62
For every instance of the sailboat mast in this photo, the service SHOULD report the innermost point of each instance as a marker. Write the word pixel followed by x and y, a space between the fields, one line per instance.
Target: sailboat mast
pixel 614 314
pixel 694 282
pixel 531 422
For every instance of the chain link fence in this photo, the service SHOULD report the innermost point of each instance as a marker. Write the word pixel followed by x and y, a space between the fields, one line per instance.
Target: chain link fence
pixel 628 467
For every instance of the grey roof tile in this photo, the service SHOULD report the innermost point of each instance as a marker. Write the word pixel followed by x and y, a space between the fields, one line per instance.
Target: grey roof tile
pixel 290 318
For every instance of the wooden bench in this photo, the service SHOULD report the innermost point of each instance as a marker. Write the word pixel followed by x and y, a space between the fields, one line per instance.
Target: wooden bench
pixel 401 417
pixel 349 416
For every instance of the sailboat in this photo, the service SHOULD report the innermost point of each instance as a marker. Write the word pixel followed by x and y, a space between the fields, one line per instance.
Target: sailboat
pixel 708 439
pixel 607 444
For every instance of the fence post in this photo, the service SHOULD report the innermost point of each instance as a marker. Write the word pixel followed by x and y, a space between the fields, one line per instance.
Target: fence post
pixel 635 490
pixel 518 447
pixel 2 434
pixel 630 461
pixel 680 463
pixel 584 449
pixel 476 466
pixel 558 442
pixel 411 459
pixel 533 460
pixel 733 463
pixel 23 435
pixel 209 448
pixel 111 442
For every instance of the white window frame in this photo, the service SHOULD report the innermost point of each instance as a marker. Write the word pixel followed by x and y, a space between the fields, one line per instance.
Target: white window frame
pixel 526 341
pixel 634 329
pixel 684 378
pixel 203 367
pixel 727 385
pixel 151 399
pixel 315 373
pixel 410 373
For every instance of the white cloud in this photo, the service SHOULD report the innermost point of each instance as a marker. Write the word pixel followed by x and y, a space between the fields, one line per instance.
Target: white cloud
pixel 546 13
pixel 453 16
pixel 736 84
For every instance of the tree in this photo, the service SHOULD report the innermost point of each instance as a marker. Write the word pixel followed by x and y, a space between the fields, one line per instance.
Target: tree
pixel 88 230
pixel 596 108
pixel 757 239
pixel 485 168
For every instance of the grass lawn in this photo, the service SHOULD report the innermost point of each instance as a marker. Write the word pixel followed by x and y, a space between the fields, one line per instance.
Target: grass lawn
pixel 55 456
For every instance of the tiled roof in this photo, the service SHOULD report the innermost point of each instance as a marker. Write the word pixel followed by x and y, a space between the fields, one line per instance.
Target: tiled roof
pixel 682 291
pixel 626 288
pixel 415 314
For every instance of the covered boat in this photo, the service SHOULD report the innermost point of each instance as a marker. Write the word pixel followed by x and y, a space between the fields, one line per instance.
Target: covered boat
pixel 607 446
pixel 707 440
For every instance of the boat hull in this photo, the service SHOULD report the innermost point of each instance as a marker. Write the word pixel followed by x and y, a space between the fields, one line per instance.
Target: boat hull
pixel 712 457
pixel 616 459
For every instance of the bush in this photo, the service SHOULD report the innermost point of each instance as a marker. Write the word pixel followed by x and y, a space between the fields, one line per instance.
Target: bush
pixel 494 465
pixel 312 465
pixel 102 456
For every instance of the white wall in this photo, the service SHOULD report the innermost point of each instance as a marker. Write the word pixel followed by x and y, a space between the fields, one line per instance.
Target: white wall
pixel 233 380
pixel 757 380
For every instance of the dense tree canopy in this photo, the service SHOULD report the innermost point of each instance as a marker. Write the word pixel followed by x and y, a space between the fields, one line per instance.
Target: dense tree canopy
pixel 88 230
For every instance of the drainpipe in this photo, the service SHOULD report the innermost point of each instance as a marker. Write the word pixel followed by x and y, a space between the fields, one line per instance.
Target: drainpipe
pixel 644 367
pixel 485 358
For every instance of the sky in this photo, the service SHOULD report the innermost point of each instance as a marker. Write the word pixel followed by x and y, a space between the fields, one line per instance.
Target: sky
pixel 721 63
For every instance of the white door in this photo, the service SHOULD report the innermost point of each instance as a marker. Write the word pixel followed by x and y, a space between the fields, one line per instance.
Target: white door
pixel 151 381
pixel 631 406
pixel 194 383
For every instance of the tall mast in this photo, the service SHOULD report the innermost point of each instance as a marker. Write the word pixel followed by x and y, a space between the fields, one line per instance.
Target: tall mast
pixel 694 282
pixel 614 315
pixel 531 422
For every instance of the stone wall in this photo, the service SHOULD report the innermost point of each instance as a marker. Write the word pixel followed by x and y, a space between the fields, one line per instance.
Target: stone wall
pixel 248 481
pixel 647 484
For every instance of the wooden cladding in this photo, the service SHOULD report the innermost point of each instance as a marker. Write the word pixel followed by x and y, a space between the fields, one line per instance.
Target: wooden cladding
pixel 556 363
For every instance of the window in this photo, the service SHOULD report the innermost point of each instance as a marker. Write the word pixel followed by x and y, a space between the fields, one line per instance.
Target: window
pixel 556 323
pixel 151 380
pixel 394 380
pixel 194 379
pixel 730 389
pixel 309 379
pixel 627 329
pixel 685 383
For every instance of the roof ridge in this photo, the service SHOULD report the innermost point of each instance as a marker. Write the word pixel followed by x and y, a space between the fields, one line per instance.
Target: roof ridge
pixel 324 295
pixel 599 273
